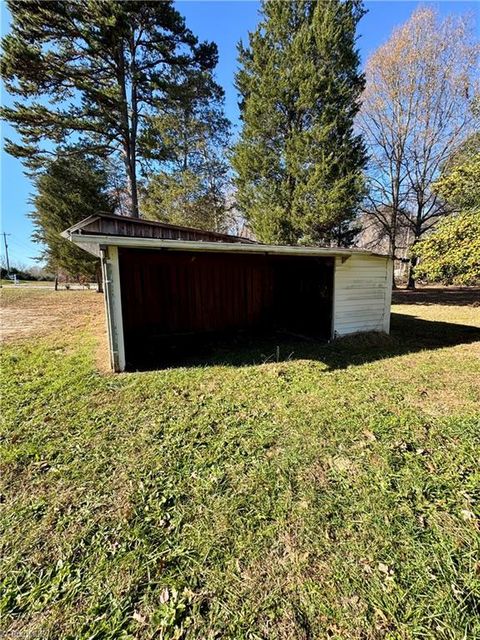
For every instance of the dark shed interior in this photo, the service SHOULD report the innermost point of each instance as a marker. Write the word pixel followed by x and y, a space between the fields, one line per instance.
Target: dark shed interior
pixel 173 301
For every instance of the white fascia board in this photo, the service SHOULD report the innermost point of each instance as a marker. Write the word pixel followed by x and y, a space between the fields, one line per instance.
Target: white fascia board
pixel 196 245
pixel 78 226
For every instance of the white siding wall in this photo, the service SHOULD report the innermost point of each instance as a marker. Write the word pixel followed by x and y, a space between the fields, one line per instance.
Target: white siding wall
pixel 362 294
pixel 113 303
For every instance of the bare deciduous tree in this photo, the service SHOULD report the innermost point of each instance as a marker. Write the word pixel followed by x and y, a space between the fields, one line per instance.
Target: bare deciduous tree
pixel 416 108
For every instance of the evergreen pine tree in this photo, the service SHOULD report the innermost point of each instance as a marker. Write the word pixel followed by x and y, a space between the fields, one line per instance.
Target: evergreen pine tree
pixel 298 162
pixel 69 189
pixel 191 136
pixel 95 72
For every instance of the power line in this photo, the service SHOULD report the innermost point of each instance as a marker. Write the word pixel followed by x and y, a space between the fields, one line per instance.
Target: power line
pixel 22 245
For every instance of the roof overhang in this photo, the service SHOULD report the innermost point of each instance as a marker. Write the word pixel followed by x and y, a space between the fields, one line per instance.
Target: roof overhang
pixel 101 230
pixel 94 243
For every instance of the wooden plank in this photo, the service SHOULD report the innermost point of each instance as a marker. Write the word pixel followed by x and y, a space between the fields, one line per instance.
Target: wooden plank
pixel 139 228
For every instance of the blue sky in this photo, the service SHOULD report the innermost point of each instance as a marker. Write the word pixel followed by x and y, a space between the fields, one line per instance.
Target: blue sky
pixel 226 22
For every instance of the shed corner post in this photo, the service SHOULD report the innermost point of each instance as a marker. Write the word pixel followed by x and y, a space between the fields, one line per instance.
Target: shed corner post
pixel 333 331
pixel 113 306
pixel 388 295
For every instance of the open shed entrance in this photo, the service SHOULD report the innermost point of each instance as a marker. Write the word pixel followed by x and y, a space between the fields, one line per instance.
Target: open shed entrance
pixel 174 302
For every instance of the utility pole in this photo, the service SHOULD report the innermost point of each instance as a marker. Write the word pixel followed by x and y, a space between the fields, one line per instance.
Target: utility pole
pixel 6 251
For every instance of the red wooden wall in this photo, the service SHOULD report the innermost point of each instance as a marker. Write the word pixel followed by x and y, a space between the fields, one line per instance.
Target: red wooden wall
pixel 168 293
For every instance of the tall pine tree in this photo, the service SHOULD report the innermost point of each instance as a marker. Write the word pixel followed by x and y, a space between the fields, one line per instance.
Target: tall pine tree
pixel 192 136
pixel 95 71
pixel 298 162
pixel 69 189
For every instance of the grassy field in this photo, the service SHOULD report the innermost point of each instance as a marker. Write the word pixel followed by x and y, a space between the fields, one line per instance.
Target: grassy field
pixel 333 494
pixel 37 283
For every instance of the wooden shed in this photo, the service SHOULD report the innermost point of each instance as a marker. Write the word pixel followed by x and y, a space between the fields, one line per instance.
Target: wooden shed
pixel 165 282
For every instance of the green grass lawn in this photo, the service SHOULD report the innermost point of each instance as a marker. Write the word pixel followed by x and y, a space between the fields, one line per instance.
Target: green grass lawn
pixel 41 283
pixel 333 494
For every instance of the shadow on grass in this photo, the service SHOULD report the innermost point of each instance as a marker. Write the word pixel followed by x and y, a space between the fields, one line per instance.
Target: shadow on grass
pixel 450 296
pixel 408 335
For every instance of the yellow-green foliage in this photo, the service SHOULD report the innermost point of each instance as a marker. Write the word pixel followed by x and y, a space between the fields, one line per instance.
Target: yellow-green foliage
pixel 460 183
pixel 451 255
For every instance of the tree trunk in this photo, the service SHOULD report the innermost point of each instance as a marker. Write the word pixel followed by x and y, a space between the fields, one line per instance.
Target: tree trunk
pixel 411 276
pixel 185 143
pixel 418 231
pixel 133 126
pixel 132 180
pixel 129 134
pixel 393 245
